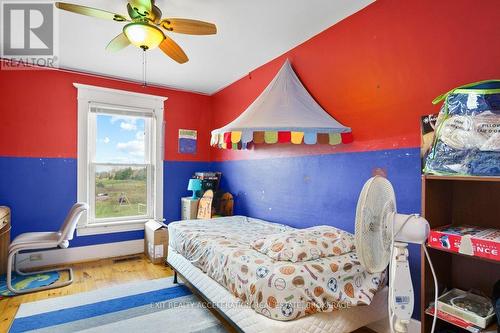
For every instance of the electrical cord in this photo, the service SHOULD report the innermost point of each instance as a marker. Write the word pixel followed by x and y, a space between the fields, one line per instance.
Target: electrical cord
pixel 436 292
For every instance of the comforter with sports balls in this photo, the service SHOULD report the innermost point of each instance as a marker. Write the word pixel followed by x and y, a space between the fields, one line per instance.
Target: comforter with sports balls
pixel 280 290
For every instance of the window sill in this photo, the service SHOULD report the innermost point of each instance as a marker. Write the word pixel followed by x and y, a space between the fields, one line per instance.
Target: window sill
pixel 99 229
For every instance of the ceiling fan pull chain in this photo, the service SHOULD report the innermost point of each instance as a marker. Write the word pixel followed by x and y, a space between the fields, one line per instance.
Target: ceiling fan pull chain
pixel 144 68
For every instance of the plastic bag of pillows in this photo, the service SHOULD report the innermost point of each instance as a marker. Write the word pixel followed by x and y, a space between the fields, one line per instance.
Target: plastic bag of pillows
pixel 467 140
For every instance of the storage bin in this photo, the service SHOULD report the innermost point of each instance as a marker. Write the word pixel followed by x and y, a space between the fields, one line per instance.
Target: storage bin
pixel 467 139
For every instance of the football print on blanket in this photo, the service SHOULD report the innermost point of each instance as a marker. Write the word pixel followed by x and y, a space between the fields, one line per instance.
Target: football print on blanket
pixel 280 290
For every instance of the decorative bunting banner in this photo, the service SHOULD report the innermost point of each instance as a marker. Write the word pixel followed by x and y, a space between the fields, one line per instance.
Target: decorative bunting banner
pixel 233 140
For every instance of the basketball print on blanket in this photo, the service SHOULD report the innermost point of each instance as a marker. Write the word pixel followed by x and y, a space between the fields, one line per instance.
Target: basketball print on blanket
pixel 281 290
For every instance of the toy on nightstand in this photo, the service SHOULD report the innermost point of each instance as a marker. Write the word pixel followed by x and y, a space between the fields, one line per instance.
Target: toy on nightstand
pixel 205 205
pixel 215 205
pixel 226 204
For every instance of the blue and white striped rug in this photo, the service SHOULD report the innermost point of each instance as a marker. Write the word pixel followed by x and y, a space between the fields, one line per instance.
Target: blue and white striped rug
pixel 146 306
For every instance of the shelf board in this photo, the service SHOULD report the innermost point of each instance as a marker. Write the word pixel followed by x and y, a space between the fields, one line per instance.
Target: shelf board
pixel 491 327
pixel 463 178
pixel 464 255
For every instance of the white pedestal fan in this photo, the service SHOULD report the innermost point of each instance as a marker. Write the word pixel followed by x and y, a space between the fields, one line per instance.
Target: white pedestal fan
pixel 382 236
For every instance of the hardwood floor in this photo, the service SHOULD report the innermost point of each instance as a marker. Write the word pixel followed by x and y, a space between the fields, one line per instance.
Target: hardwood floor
pixel 95 275
pixel 89 276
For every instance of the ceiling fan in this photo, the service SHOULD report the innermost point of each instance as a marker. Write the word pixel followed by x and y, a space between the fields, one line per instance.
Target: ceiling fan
pixel 143 27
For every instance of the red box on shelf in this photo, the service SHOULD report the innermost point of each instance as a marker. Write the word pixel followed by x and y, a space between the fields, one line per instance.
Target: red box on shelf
pixel 475 241
pixel 460 322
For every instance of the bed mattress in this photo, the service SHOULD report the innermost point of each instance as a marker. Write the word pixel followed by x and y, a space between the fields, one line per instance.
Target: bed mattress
pixel 340 321
pixel 280 290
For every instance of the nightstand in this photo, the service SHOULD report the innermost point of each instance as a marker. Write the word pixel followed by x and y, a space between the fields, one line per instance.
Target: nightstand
pixel 189 208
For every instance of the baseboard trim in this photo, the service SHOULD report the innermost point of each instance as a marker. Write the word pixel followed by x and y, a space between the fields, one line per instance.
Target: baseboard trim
pixel 79 254
pixel 382 326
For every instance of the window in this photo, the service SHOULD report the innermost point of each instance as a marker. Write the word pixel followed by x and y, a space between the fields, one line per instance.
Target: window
pixel 120 171
pixel 120 167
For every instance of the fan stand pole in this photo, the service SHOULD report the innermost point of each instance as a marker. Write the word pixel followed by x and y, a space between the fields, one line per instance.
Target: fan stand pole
pixel 401 296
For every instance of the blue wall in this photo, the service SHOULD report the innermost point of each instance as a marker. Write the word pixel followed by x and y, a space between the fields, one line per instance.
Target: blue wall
pixel 176 175
pixel 298 191
pixel 40 191
pixel 322 189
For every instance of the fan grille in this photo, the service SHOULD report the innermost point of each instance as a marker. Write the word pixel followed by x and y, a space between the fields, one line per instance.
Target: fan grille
pixel 374 221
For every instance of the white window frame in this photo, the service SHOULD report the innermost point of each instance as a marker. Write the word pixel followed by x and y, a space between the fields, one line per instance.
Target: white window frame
pixel 93 96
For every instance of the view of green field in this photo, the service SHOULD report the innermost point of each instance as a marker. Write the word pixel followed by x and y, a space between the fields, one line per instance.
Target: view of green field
pixel 121 193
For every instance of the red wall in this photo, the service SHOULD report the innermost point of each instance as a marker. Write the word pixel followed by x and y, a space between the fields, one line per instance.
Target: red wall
pixel 39 114
pixel 378 70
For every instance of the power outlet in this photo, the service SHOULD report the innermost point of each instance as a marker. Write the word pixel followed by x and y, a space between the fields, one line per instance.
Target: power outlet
pixel 36 257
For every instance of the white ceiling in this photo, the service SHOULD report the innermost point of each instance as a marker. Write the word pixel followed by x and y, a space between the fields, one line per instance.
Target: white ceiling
pixel 250 33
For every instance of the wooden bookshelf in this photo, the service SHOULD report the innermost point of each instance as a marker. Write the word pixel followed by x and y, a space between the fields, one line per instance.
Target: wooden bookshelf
pixel 458 201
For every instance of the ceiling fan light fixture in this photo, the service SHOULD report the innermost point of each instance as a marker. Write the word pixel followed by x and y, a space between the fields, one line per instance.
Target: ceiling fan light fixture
pixel 143 28
pixel 143 35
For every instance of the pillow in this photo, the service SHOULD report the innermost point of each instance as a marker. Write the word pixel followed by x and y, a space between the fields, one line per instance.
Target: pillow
pixel 305 244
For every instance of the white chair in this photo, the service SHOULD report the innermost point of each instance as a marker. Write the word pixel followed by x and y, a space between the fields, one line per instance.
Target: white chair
pixel 45 240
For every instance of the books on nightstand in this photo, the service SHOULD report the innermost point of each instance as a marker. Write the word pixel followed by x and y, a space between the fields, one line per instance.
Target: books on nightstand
pixel 209 180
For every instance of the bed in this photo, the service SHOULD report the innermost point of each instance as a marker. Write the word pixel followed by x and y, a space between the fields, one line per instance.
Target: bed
pixel 258 294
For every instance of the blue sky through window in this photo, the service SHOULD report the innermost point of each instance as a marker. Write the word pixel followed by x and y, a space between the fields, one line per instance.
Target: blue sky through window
pixel 120 139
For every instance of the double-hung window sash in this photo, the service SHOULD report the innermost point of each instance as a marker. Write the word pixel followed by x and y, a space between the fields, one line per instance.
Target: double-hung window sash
pixel 134 203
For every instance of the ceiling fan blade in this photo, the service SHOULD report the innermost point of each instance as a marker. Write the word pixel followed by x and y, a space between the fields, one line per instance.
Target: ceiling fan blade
pixel 89 11
pixel 173 50
pixel 142 7
pixel 154 15
pixel 187 26
pixel 119 42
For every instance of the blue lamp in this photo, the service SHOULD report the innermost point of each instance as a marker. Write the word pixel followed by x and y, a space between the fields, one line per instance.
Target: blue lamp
pixel 194 185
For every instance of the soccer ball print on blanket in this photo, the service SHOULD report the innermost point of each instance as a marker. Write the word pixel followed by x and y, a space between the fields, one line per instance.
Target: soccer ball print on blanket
pixel 280 290
pixel 305 244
